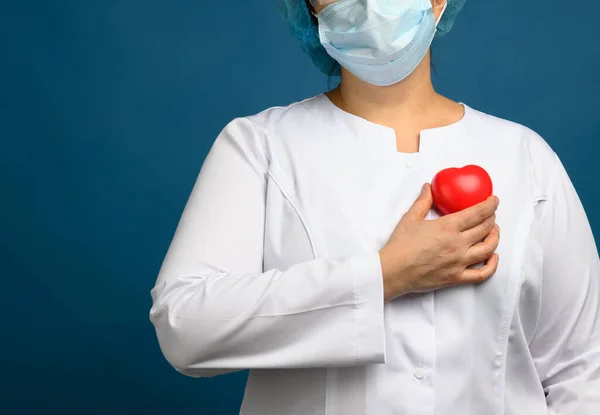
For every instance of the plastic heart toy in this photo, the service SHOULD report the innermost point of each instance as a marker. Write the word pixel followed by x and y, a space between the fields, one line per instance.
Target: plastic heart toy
pixel 455 189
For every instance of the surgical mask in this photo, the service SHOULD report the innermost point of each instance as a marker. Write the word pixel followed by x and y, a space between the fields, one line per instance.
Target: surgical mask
pixel 379 41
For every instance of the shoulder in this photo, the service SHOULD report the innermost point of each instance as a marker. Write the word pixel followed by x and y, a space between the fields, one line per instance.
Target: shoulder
pixel 254 133
pixel 289 115
pixel 509 132
pixel 506 134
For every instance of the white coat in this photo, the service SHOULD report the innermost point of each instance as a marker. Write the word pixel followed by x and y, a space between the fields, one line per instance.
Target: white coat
pixel 274 267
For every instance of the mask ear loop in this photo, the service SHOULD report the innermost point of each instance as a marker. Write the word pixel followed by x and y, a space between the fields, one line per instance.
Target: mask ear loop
pixel 441 14
pixel 316 3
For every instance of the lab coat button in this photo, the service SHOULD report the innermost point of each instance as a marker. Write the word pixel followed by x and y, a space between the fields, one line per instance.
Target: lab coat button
pixel 419 373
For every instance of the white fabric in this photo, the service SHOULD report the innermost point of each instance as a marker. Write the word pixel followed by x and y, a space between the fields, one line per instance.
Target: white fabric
pixel 274 267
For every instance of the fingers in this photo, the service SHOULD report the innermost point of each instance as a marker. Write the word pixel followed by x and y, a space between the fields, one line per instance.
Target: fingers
pixel 479 275
pixel 474 215
pixel 422 205
pixel 485 249
pixel 481 231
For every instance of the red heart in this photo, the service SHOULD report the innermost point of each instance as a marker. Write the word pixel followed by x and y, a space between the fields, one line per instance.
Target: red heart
pixel 455 189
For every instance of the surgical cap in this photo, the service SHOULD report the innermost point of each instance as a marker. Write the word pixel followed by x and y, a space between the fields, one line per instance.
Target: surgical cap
pixel 296 14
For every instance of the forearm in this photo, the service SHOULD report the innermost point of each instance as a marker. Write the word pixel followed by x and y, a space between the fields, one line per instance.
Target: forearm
pixel 315 314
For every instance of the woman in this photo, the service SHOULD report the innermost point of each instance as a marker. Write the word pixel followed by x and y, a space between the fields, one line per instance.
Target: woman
pixel 308 251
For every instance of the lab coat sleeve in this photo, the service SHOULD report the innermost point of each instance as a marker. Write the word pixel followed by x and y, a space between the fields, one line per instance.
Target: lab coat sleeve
pixel 215 310
pixel 566 342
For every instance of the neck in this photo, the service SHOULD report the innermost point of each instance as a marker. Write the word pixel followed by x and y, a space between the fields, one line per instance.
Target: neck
pixel 410 99
pixel 408 107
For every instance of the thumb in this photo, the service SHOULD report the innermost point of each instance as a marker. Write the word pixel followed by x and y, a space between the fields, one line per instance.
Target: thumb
pixel 421 207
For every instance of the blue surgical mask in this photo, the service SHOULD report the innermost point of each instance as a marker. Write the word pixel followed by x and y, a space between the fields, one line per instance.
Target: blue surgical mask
pixel 379 41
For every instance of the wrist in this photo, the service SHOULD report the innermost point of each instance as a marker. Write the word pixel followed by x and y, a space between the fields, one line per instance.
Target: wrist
pixel 392 287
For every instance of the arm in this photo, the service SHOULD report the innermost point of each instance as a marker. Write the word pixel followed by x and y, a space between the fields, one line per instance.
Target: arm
pixel 566 343
pixel 215 310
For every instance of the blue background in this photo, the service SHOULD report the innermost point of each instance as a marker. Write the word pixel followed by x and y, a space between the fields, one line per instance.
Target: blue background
pixel 107 110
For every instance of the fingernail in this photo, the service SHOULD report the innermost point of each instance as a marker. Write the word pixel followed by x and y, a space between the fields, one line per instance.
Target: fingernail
pixel 424 188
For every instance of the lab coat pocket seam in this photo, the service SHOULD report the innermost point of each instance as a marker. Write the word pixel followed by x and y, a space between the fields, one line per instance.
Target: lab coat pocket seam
pixel 287 195
pixel 513 294
pixel 537 201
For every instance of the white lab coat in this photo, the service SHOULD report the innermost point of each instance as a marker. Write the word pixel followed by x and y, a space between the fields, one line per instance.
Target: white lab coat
pixel 274 267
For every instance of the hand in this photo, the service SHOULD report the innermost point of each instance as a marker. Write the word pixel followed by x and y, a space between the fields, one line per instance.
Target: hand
pixel 425 255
